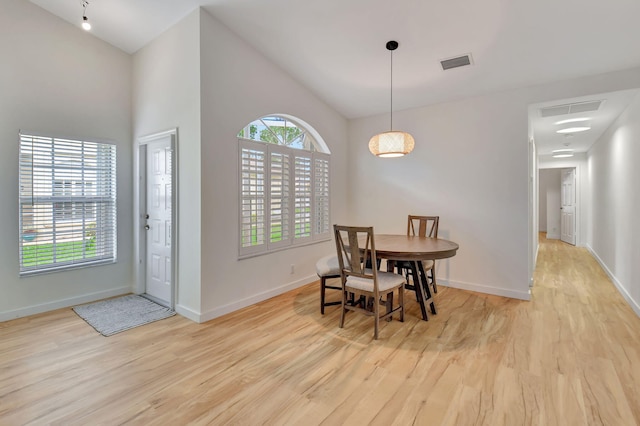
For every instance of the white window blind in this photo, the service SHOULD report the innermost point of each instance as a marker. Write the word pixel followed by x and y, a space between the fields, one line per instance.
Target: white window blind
pixel 284 197
pixel 67 202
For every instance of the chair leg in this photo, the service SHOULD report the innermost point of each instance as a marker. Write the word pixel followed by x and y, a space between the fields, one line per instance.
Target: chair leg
pixel 401 302
pixel 389 305
pixel 323 283
pixel 433 278
pixel 344 308
pixel 376 316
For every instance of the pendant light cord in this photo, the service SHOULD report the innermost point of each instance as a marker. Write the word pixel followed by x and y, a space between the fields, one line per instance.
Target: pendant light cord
pixel 391 124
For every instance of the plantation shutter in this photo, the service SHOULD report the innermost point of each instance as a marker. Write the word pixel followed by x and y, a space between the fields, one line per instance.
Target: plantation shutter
pixel 253 196
pixel 284 197
pixel 67 202
pixel 321 196
pixel 303 192
pixel 279 196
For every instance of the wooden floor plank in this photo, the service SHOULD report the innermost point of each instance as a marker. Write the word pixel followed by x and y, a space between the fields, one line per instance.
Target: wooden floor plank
pixel 569 356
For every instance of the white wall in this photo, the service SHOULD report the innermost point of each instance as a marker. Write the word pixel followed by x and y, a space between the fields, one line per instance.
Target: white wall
pixel 534 201
pixel 553 211
pixel 550 202
pixel 542 205
pixel 59 80
pixel 470 167
pixel 240 85
pixel 614 177
pixel 166 76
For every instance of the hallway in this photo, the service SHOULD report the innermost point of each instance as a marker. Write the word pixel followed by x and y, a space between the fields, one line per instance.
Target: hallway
pixel 585 339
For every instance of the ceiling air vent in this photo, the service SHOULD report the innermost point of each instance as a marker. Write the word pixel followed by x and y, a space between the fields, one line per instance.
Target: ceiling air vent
pixel 570 108
pixel 459 61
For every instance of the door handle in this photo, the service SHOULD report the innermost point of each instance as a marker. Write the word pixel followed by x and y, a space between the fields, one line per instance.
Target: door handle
pixel 147 227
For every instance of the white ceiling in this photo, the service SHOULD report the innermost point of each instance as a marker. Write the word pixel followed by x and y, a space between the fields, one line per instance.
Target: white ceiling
pixel 337 48
pixel 544 128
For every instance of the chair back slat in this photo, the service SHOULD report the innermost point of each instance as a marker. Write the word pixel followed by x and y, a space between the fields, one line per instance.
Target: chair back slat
pixel 427 226
pixel 352 256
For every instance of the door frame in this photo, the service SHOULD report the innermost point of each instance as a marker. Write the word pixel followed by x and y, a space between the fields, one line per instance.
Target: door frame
pixel 579 165
pixel 575 204
pixel 139 207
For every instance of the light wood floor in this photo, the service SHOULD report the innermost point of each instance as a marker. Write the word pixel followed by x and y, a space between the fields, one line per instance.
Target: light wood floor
pixel 570 356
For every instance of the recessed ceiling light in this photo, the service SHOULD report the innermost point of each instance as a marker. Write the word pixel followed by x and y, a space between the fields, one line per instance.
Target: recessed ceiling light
pixel 574 127
pixel 562 153
pixel 572 120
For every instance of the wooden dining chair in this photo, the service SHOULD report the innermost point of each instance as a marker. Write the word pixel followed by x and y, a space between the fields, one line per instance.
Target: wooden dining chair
pixel 422 226
pixel 327 267
pixel 354 255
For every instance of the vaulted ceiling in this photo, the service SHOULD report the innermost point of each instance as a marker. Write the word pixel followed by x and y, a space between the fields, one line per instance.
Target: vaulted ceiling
pixel 337 48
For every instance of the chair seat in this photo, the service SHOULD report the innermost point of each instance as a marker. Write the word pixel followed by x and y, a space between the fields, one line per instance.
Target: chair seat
pixel 328 266
pixel 386 281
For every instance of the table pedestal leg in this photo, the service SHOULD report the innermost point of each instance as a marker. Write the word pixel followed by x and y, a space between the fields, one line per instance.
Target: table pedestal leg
pixel 425 284
pixel 419 288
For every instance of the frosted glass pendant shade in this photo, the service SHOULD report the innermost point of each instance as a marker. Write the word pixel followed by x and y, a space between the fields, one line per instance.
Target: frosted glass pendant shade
pixel 391 144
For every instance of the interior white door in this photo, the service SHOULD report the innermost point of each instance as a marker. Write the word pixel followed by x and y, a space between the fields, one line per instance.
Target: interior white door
pixel 568 206
pixel 158 223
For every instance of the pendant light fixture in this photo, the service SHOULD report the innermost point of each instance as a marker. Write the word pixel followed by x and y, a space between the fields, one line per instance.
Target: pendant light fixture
pixel 392 143
pixel 86 25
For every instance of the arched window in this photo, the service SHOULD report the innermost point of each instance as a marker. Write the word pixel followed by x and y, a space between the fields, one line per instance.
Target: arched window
pixel 284 185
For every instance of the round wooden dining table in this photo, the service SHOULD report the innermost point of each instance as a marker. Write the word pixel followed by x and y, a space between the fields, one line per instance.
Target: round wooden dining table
pixel 409 247
pixel 415 249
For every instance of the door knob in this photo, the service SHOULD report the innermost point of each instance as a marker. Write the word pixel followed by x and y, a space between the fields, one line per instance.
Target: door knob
pixel 147 227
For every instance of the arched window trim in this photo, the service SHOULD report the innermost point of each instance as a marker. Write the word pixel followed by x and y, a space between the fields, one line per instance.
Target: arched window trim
pixel 317 140
pixel 284 193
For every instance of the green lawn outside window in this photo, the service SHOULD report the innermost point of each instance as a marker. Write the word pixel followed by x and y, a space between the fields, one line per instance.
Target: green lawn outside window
pixel 42 254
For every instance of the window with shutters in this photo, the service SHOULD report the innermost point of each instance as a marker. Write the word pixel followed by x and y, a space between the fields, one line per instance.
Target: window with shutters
pixel 284 185
pixel 67 202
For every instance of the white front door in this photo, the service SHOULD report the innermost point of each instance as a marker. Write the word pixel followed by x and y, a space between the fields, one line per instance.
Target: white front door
pixel 159 267
pixel 568 206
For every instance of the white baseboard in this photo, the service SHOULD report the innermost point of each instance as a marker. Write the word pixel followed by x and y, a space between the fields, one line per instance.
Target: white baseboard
pixel 188 313
pixel 634 305
pixel 64 303
pixel 243 303
pixel 480 288
pixel 551 236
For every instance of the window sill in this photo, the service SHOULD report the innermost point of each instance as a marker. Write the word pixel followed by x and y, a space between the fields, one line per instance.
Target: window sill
pixel 69 267
pixel 264 253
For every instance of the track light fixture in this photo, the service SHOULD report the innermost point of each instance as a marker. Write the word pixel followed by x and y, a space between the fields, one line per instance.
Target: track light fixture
pixel 86 25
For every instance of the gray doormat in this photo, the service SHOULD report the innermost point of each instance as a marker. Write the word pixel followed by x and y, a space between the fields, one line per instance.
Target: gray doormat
pixel 112 316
